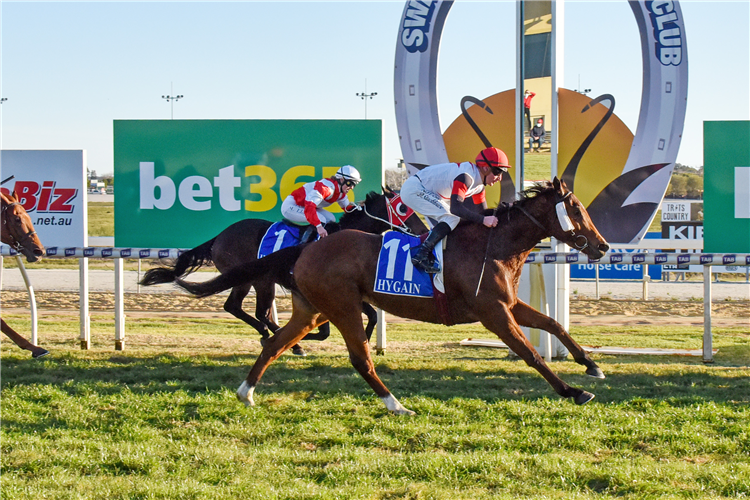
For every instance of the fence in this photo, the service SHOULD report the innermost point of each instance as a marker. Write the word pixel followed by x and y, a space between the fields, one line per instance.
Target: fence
pixel 542 257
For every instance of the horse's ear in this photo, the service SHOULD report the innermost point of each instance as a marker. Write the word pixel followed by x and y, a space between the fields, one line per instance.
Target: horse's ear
pixel 390 193
pixel 559 185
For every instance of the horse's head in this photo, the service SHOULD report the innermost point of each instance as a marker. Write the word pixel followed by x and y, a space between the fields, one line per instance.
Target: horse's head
pixel 573 225
pixel 381 212
pixel 17 229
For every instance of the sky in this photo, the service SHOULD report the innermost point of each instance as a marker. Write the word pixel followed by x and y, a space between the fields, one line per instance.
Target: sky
pixel 68 69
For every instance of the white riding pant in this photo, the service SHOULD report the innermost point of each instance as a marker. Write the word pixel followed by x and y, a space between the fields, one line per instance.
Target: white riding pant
pixel 427 203
pixel 295 213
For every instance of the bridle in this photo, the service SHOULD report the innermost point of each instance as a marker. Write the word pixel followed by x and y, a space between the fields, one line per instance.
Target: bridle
pixel 562 217
pixel 394 215
pixel 16 241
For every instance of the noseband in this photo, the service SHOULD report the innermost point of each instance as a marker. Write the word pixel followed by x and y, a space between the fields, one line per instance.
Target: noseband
pixel 562 217
pixel 16 245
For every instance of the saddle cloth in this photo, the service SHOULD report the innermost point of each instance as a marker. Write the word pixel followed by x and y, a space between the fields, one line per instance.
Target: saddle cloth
pixel 395 274
pixel 280 235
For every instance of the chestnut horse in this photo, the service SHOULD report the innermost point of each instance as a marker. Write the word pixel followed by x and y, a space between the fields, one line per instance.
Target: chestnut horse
pixel 18 233
pixel 482 267
pixel 238 244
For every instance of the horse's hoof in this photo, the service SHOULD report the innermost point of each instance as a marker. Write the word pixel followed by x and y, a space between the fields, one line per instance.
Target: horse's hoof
pixel 40 353
pixel 245 394
pixel 583 398
pixel 298 351
pixel 404 411
pixel 595 371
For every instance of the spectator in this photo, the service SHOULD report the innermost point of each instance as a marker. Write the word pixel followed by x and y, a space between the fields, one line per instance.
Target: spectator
pixel 536 135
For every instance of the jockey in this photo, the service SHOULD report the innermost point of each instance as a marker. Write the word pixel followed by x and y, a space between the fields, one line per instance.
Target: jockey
pixel 438 192
pixel 305 204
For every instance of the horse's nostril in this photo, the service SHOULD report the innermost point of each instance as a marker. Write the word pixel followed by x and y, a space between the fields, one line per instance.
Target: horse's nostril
pixel 603 247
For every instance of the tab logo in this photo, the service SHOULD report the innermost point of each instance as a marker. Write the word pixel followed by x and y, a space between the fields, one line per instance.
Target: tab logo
pixel 729 259
pixel 69 252
pixel 106 252
pixel 639 258
pixel 615 258
pixel 88 252
pixel 125 252
pixel 573 257
pixel 146 252
pixel 660 259
pixel 706 259
pixel 163 254
pixel 683 258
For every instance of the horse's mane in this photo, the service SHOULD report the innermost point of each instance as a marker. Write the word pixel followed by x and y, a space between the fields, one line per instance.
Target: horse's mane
pixel 536 189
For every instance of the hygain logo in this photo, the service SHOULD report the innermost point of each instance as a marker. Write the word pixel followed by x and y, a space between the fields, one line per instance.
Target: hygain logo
pixel 196 192
pixel 416 25
pixel 667 32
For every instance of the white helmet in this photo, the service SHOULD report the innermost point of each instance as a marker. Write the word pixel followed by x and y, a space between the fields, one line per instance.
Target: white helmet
pixel 349 173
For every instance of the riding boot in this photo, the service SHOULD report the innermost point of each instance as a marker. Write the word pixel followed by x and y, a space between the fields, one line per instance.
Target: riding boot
pixel 423 259
pixel 308 234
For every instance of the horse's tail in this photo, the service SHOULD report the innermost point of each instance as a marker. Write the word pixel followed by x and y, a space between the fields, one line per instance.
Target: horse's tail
pixel 185 264
pixel 276 267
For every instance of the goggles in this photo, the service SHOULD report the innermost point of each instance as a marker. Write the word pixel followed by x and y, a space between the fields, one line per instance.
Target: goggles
pixel 498 170
pixel 350 183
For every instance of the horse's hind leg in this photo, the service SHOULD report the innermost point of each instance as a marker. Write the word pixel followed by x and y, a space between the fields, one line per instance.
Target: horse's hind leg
pixel 304 318
pixel 233 305
pixel 501 322
pixel 348 319
pixel 17 338
pixel 265 294
pixel 526 315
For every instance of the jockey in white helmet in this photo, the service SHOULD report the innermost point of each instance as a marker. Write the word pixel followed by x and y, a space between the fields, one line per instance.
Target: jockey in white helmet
pixel 305 204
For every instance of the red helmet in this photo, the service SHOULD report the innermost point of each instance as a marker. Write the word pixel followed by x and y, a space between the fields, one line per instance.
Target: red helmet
pixel 492 157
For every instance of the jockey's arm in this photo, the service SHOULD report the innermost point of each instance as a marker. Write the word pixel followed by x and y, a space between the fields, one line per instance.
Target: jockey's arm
pixel 460 206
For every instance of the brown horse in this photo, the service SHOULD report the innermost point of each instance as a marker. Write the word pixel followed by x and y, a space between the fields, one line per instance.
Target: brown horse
pixel 18 232
pixel 482 267
pixel 238 244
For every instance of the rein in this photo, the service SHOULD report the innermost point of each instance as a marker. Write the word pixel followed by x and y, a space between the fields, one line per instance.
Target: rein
pixel 393 226
pixel 16 245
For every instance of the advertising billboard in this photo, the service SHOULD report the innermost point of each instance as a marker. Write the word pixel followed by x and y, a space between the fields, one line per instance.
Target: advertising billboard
pixel 181 182
pixel 726 186
pixel 51 186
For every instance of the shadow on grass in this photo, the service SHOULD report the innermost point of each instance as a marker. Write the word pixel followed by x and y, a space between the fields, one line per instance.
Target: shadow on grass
pixel 486 379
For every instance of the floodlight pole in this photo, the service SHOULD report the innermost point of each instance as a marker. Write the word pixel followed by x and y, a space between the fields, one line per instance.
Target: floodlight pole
pixel 364 95
pixel 171 99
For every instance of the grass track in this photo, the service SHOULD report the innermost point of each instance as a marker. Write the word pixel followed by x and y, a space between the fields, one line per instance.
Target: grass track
pixel 160 419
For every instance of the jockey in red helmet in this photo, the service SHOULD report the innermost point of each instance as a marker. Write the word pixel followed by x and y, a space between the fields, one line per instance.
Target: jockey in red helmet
pixel 441 194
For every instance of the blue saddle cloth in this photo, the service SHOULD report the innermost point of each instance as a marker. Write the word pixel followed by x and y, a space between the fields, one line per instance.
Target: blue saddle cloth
pixel 280 235
pixel 395 274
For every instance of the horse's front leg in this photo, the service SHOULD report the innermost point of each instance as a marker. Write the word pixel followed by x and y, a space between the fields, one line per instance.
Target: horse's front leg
pixel 526 315
pixel 304 318
pixel 20 341
pixel 499 320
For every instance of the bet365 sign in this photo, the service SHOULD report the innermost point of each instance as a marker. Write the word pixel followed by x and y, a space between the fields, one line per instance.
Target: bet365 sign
pixel 726 185
pixel 180 182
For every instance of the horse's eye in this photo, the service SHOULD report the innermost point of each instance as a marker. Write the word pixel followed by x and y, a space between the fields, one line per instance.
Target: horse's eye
pixel 401 209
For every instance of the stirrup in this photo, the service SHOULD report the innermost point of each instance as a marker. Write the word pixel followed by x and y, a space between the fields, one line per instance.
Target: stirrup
pixel 428 265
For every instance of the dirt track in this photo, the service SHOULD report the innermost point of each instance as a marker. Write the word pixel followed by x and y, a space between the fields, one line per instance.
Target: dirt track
pixel 604 311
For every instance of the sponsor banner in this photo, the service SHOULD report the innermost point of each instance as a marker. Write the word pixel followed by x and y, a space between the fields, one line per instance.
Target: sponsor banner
pixel 726 186
pixel 180 182
pixel 51 186
pixel 621 178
